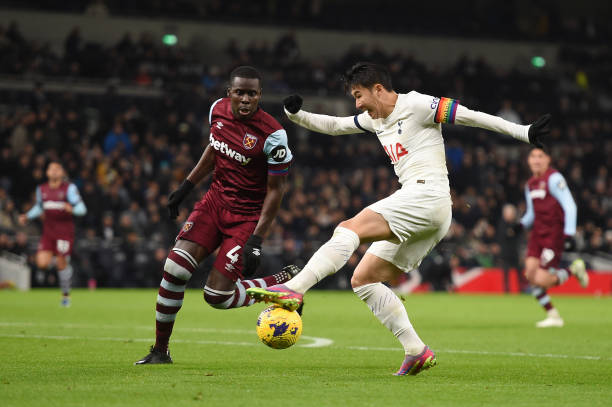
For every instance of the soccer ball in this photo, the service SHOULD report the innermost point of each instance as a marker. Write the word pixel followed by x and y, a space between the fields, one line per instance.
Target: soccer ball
pixel 279 328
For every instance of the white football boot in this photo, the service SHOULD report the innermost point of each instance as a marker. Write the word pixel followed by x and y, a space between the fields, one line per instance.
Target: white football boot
pixel 553 320
pixel 578 269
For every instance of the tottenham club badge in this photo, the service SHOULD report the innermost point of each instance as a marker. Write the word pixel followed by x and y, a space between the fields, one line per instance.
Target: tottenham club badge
pixel 249 141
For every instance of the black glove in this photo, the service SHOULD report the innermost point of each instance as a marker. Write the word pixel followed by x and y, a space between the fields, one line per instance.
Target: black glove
pixel 538 129
pixel 570 244
pixel 293 103
pixel 176 197
pixel 251 255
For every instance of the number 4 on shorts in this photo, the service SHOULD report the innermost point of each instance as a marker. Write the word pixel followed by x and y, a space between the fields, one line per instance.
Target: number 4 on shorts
pixel 234 254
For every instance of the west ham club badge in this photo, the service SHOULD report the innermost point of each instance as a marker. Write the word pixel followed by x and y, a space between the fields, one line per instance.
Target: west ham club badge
pixel 249 141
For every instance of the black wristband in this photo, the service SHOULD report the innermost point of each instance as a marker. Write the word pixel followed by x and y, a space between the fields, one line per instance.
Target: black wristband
pixel 255 240
pixel 186 186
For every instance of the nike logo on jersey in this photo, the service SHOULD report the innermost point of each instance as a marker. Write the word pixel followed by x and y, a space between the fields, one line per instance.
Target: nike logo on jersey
pixel 223 148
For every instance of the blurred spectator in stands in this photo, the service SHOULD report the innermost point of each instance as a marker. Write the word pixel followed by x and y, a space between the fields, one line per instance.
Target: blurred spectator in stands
pixel 8 215
pixel 97 8
pixel 72 45
pixel 117 139
pixel 508 113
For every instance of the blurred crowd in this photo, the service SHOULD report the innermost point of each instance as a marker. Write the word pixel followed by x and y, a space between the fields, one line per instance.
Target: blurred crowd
pixel 544 20
pixel 125 153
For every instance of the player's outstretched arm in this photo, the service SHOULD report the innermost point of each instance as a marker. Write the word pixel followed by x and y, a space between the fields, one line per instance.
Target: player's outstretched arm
pixel 35 211
pixel 202 169
pixel 529 134
pixel 75 203
pixel 320 123
pixel 529 216
pixel 560 191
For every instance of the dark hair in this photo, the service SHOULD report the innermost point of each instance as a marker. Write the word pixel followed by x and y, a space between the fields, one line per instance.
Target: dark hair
pixel 367 74
pixel 245 71
pixel 540 147
pixel 55 162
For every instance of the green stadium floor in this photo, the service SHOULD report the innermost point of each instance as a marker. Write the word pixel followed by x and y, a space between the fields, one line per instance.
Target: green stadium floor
pixel 489 353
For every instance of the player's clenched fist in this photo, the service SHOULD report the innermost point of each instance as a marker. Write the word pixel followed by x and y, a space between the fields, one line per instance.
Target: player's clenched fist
pixel 538 129
pixel 176 197
pixel 293 103
pixel 251 255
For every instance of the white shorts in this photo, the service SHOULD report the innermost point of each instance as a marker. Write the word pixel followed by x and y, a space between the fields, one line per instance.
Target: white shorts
pixel 419 215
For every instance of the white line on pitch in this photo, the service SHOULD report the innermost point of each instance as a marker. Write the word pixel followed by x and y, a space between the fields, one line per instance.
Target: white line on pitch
pixel 317 342
pixel 484 352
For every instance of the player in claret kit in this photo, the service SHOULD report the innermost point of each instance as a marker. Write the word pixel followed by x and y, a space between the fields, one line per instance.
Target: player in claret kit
pixel 249 158
pixel 551 215
pixel 406 225
pixel 56 202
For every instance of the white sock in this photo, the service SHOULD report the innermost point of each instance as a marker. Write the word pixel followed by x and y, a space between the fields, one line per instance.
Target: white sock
pixel 326 261
pixel 65 279
pixel 391 312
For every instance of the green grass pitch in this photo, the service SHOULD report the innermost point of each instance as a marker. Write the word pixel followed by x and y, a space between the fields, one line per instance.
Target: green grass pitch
pixel 489 353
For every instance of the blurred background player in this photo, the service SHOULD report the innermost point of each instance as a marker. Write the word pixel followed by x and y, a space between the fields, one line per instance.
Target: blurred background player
pixel 56 202
pixel 249 157
pixel 508 239
pixel 409 223
pixel 551 215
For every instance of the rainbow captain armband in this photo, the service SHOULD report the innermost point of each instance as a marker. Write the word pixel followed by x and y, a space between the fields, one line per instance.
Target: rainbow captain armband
pixel 445 113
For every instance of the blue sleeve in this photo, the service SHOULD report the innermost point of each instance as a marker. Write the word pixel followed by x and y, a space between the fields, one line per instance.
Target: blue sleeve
pixel 559 189
pixel 74 198
pixel 37 209
pixel 276 148
pixel 529 216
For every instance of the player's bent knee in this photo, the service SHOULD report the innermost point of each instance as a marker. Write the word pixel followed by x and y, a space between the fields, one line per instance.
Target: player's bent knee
pixel 356 282
pixel 176 270
pixel 62 263
pixel 43 263
pixel 218 299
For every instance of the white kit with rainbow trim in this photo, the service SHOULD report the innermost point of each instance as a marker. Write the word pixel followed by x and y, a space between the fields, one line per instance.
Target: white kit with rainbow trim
pixel 412 134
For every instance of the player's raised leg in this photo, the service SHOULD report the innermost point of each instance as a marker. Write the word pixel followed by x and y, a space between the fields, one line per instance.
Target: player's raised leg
pixel 182 261
pixel 367 226
pixel 226 284
pixel 578 270
pixel 222 292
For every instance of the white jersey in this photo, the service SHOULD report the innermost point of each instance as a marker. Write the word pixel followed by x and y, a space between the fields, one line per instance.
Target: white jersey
pixel 411 137
pixel 412 134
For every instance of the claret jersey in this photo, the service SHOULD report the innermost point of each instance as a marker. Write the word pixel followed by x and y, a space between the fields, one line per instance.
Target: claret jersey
pixel 246 153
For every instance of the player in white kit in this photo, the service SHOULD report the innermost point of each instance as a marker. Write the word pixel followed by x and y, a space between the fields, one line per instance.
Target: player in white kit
pixel 406 225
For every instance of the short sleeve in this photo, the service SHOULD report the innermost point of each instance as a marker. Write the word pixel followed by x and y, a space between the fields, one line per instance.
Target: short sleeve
pixel 210 113
pixel 433 109
pixel 278 153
